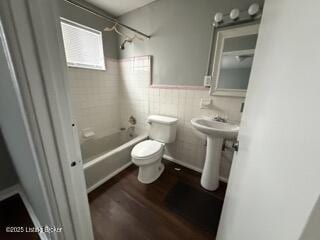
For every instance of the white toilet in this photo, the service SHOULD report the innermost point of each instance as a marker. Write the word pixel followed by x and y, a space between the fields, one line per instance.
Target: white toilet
pixel 147 155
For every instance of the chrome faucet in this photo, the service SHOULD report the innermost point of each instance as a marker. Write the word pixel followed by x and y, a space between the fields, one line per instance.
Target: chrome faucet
pixel 130 131
pixel 219 119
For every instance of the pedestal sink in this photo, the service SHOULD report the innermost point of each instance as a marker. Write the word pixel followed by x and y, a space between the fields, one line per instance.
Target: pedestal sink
pixel 216 132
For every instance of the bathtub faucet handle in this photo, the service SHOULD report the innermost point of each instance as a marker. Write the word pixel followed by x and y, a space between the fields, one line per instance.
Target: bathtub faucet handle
pixel 132 120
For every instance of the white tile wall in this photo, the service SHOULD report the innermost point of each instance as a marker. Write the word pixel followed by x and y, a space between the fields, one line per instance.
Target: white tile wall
pixel 134 89
pixel 95 99
pixel 139 100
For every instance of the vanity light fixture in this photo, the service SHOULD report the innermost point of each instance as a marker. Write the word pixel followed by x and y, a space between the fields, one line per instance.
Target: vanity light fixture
pixel 234 14
pixel 253 9
pixel 218 17
pixel 246 16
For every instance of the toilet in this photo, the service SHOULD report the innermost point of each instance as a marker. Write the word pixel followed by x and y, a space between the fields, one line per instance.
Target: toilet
pixel 147 154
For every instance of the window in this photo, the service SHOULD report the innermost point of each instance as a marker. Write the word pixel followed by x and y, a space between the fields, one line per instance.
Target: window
pixel 83 45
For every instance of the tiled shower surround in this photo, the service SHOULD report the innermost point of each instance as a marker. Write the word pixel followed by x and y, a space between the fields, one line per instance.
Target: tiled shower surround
pixel 95 99
pixel 126 84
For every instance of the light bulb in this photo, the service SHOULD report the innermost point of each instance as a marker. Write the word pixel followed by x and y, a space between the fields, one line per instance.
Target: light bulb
pixel 218 17
pixel 234 14
pixel 253 9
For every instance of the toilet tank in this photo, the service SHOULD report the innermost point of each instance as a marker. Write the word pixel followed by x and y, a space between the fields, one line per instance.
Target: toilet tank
pixel 162 128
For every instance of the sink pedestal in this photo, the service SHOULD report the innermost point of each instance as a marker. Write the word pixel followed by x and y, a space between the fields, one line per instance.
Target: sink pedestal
pixel 216 132
pixel 211 169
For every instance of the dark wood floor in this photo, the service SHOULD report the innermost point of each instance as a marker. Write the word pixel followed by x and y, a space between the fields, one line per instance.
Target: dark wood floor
pixel 13 213
pixel 123 208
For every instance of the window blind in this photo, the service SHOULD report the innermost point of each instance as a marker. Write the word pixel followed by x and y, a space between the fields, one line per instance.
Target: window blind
pixel 83 45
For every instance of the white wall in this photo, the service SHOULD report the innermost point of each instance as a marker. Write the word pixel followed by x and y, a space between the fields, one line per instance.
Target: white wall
pixel 274 181
pixel 139 100
pixel 180 31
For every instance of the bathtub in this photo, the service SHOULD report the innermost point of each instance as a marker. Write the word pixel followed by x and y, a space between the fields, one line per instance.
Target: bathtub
pixel 105 157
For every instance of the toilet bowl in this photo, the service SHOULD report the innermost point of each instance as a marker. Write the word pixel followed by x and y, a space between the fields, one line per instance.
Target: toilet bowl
pixel 147 155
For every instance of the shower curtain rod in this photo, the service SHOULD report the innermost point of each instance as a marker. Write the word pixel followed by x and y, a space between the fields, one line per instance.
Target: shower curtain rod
pixel 110 19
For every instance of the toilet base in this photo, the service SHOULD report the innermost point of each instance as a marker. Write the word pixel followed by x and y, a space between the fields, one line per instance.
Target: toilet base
pixel 149 173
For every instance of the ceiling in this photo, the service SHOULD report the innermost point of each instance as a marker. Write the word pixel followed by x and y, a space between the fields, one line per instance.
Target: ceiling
pixel 119 7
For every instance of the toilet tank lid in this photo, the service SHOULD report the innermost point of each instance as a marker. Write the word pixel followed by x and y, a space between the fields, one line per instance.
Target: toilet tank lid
pixel 162 119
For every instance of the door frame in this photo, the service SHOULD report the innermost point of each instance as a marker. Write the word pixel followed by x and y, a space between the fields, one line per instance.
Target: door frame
pixel 35 54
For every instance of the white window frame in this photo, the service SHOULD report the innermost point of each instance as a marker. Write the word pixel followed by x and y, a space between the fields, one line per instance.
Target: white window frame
pixel 101 66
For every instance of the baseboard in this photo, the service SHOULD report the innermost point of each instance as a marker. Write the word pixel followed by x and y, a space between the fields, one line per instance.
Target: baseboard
pixel 9 192
pixel 189 166
pixel 17 189
pixel 102 181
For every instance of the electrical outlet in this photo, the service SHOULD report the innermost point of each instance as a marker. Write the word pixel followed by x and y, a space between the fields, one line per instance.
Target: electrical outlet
pixel 207 81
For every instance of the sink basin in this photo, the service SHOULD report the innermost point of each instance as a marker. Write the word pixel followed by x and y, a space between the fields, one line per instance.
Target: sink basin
pixel 216 132
pixel 214 128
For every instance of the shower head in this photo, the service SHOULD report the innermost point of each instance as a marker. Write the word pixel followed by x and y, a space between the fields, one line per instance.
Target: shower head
pixel 122 46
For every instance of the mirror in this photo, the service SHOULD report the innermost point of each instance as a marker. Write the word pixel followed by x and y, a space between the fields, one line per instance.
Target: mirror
pixel 233 59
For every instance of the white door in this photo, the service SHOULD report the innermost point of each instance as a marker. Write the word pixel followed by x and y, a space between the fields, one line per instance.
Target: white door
pixel 35 117
pixel 275 177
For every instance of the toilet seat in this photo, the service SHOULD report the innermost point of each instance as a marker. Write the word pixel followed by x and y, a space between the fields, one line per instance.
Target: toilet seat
pixel 147 152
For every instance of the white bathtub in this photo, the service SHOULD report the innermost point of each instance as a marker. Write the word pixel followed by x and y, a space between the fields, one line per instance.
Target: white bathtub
pixel 105 157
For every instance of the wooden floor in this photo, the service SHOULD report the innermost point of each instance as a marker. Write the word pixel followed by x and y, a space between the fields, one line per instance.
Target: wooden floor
pixel 123 208
pixel 13 213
